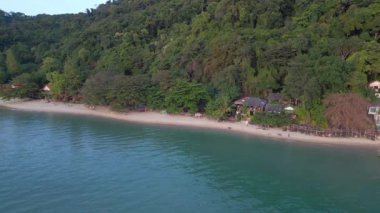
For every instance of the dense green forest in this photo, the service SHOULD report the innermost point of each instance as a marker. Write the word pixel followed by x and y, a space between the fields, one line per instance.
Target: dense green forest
pixel 196 55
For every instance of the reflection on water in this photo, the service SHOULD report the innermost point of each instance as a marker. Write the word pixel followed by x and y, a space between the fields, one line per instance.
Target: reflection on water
pixel 67 163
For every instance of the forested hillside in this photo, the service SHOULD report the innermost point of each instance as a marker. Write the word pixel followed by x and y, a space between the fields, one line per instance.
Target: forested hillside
pixel 194 55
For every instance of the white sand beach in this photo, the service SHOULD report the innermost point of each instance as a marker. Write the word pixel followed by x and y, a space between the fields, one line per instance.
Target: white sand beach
pixel 179 120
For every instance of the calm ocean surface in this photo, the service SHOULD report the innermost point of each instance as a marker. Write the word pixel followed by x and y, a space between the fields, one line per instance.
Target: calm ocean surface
pixel 62 163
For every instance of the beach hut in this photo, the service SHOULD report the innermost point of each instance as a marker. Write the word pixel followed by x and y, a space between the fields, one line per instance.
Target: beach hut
pixel 47 88
pixel 253 103
pixel 274 108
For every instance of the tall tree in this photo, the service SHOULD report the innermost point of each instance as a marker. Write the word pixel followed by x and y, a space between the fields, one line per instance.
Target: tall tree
pixel 12 64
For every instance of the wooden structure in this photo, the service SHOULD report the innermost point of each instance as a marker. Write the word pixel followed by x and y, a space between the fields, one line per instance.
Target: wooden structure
pixel 341 133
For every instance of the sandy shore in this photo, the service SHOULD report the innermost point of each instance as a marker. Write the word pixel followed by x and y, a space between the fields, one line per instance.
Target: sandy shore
pixel 178 120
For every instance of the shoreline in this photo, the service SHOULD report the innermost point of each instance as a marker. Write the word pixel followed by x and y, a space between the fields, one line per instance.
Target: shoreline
pixel 183 121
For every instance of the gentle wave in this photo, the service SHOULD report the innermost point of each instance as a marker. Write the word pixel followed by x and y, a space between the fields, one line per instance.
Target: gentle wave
pixel 60 163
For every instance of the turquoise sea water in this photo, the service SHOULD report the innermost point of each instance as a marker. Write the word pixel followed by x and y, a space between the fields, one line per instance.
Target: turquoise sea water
pixel 64 163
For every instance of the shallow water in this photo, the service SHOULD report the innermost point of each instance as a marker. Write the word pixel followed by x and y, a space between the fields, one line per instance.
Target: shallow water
pixel 63 163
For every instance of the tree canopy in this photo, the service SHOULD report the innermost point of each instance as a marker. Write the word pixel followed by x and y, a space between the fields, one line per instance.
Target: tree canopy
pixel 185 52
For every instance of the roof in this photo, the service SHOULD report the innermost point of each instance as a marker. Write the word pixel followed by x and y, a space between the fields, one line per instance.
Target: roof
pixel 375 104
pixel 274 108
pixel 251 102
pixel 289 108
pixel 275 96
pixel 374 83
pixel 47 87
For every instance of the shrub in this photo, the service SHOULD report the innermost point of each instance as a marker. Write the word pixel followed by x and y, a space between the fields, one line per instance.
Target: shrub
pixel 186 97
pixel 219 107
pixel 271 119
pixel 314 116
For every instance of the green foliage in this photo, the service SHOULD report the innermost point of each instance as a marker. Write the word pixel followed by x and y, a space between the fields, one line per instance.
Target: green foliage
pixel 3 76
pixel 96 87
pixel 200 23
pixel 313 115
pixel 66 86
pixel 49 65
pixel 303 49
pixel 186 97
pixel 219 107
pixel 72 79
pixel 227 80
pixel 57 81
pixel 271 119
pixel 11 62
pixel 358 83
pixel 119 91
pixel 127 92
pixel 27 86
pixel 156 99
pixel 309 15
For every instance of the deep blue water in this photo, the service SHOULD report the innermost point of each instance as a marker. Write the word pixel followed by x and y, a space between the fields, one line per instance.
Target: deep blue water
pixel 64 163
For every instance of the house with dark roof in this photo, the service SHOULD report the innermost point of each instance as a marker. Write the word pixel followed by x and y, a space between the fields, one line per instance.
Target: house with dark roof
pixel 275 98
pixel 275 108
pixel 253 103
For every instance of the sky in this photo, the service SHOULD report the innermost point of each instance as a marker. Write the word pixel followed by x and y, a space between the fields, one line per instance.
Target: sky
pixel 34 7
